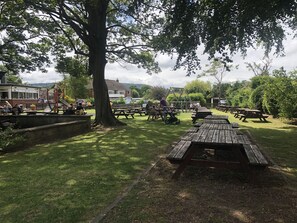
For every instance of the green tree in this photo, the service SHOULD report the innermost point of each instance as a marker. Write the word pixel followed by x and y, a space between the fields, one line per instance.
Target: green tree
pixel 217 69
pixel 103 31
pixel 135 93
pixel 260 69
pixel 224 27
pixel 75 75
pixel 144 90
pixel 75 87
pixel 281 94
pixel 10 76
pixel 24 44
pixel 238 94
pixel 217 88
pixel 258 85
pixel 198 86
pixel 157 93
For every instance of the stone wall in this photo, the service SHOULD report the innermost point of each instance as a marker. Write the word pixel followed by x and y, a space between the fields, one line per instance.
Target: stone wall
pixel 54 128
pixel 28 121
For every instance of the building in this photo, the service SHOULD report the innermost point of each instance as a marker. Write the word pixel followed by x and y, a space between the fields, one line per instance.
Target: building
pixel 17 94
pixel 115 89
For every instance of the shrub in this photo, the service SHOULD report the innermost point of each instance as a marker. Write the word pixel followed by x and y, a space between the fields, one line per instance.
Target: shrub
pixel 8 139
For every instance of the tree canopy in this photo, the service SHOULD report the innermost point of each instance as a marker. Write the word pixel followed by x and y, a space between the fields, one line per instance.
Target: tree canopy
pixel 224 27
pixel 24 43
pixel 103 31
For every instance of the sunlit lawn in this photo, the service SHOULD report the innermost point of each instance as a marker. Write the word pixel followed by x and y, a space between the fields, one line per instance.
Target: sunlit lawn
pixel 74 179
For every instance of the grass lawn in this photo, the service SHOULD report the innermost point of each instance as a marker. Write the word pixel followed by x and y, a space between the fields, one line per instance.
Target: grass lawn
pixel 75 179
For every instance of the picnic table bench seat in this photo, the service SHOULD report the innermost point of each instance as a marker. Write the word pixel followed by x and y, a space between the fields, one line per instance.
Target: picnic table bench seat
pixel 178 151
pixel 254 155
pixel 235 125
pixel 243 139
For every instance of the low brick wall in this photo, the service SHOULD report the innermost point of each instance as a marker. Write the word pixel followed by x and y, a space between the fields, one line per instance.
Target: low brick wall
pixel 28 121
pixel 59 127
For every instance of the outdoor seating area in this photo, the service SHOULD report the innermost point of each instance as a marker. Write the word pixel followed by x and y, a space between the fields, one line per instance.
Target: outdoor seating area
pixel 216 143
pixel 243 113
pixel 127 110
pixel 200 113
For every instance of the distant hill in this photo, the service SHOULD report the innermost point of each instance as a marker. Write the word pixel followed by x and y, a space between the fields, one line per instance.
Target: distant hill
pixel 128 85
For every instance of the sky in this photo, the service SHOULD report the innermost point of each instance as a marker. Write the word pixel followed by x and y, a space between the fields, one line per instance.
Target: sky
pixel 170 78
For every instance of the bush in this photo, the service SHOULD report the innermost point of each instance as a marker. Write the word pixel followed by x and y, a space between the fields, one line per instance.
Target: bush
pixel 198 97
pixel 120 101
pixel 256 98
pixel 8 139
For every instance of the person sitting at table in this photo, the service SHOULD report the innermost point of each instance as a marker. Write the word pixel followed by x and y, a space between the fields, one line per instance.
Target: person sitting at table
pixel 5 109
pixel 15 110
pixel 163 103
pixel 80 109
pixel 153 113
pixel 70 110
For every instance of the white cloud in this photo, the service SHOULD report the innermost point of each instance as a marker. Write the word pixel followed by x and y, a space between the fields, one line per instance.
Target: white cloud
pixel 38 77
pixel 168 77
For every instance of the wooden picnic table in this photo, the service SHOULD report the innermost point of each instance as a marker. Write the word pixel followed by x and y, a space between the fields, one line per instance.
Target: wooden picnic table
pixel 202 112
pixel 216 139
pixel 238 111
pixel 252 113
pixel 123 112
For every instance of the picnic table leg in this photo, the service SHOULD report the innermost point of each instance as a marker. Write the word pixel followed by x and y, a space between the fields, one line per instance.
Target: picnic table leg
pixel 189 155
pixel 239 154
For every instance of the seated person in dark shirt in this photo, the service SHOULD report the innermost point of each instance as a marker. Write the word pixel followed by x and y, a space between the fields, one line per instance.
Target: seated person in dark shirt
pixel 80 109
pixel 15 110
pixel 163 103
pixel 70 110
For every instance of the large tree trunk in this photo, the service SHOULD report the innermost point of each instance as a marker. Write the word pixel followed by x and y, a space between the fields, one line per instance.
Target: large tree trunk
pixel 97 49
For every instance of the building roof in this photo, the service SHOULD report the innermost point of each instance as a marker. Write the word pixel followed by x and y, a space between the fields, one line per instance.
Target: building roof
pixel 115 85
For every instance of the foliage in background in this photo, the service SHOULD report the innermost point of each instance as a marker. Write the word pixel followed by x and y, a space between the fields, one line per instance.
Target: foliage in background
pixel 192 97
pixel 256 97
pixel 275 94
pixel 224 28
pixel 156 93
pixel 217 69
pixel 260 69
pixel 75 87
pixel 198 86
pixel 121 101
pixel 215 91
pixel 8 139
pixel 283 91
pixel 24 45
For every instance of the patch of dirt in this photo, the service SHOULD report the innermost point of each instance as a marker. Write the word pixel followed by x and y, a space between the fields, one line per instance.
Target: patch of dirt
pixel 208 195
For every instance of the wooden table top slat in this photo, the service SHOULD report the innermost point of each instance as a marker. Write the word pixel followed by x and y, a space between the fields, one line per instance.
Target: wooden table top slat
pixel 209 136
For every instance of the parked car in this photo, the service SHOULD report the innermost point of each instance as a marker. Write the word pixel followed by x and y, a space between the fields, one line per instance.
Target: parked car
pixel 222 102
